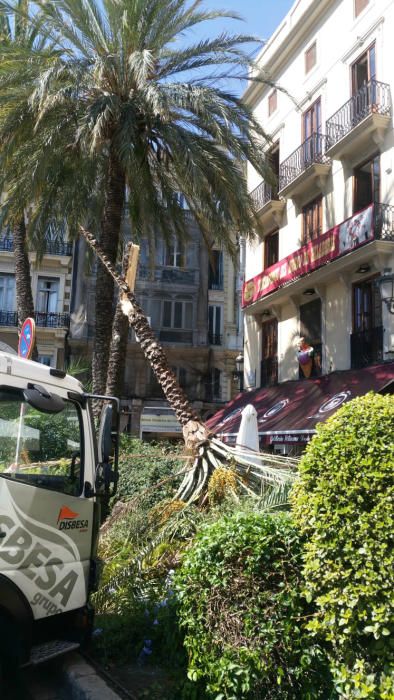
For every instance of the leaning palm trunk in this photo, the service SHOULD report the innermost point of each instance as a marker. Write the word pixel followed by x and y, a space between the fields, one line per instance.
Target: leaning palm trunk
pixel 210 453
pixel 24 296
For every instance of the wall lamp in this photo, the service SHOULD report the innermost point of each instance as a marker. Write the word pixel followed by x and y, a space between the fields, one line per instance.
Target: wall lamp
pixel 309 292
pixel 238 374
pixel 385 284
pixel 363 269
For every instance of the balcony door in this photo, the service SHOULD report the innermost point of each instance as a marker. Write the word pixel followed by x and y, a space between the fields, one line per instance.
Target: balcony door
pixel 367 337
pixel 214 325
pixel 47 295
pixel 363 70
pixel 269 360
pixel 311 132
pixel 366 184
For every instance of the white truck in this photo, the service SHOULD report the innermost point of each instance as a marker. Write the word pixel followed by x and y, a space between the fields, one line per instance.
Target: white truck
pixel 55 479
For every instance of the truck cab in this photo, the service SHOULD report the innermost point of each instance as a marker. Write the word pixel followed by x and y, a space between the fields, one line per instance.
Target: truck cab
pixel 55 479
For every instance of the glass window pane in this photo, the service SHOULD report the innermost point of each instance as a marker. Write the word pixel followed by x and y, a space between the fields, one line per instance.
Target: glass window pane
pixel 167 308
pixel 178 314
pixel 40 449
pixel 188 315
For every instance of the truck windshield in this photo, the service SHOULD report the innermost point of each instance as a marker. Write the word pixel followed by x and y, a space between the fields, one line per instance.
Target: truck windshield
pixel 40 449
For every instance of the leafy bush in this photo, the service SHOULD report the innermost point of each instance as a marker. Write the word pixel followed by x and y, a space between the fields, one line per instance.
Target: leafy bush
pixel 343 504
pixel 243 613
pixel 143 464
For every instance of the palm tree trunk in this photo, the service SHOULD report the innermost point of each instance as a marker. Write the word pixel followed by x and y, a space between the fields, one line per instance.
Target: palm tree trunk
pixel 109 241
pixel 194 431
pixel 24 296
pixel 118 348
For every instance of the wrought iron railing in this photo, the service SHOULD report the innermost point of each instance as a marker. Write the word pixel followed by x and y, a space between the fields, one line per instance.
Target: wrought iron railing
pixel 176 336
pixel 366 347
pixel 51 320
pixel 262 194
pixel 269 371
pixel 8 318
pixel 384 222
pixel 172 275
pixel 310 152
pixel 58 248
pixel 215 339
pixel 372 98
pixel 51 247
pixel 7 244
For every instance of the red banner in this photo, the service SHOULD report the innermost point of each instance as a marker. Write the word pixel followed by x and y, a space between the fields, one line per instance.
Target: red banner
pixel 339 240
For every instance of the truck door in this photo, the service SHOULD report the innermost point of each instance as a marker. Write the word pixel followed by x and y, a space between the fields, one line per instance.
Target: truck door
pixel 46 524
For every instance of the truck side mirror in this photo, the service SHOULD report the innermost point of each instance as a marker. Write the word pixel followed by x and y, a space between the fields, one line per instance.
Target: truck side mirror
pixel 108 447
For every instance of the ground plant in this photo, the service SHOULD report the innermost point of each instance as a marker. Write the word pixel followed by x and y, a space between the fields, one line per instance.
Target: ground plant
pixel 343 505
pixel 243 613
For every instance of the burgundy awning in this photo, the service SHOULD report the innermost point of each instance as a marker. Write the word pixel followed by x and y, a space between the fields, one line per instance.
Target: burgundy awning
pixel 288 412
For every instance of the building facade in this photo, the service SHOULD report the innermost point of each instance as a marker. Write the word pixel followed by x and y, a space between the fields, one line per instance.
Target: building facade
pixel 192 300
pixel 51 288
pixel 328 221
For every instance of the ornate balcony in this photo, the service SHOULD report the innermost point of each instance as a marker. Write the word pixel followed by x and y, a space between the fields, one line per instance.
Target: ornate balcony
pixel 51 320
pixel 305 169
pixel 215 339
pixel 268 205
pixel 169 275
pixel 43 320
pixel 366 347
pixel 8 318
pixel 362 119
pixel 51 247
pixel 176 336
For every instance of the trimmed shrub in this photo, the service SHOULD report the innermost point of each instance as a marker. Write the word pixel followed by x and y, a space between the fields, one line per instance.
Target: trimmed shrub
pixel 241 607
pixel 343 504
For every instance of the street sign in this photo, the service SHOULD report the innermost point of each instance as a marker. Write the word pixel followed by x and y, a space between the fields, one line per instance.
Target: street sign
pixel 26 339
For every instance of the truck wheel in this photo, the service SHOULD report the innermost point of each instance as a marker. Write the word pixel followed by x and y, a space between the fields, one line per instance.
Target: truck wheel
pixel 10 655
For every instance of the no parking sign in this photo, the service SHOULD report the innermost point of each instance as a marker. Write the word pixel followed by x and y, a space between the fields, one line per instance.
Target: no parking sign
pixel 27 338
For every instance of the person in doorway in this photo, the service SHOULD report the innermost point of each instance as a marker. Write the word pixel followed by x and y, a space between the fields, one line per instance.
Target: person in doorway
pixel 305 357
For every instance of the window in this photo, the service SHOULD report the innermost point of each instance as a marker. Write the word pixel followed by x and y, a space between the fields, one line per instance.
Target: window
pixel 271 249
pixel 269 359
pixel 310 57
pixel 214 325
pixel 180 373
pixel 40 449
pixel 311 120
pixel 366 184
pixel 359 6
pixel 272 102
pixel 367 307
pixel 47 295
pixel 312 220
pixel 177 314
pixel 363 70
pixel 175 254
pixel 215 272
pixel 46 360
pixel 7 292
pixel 213 389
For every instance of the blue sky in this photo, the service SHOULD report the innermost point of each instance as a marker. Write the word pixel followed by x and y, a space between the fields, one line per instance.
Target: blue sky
pixel 261 18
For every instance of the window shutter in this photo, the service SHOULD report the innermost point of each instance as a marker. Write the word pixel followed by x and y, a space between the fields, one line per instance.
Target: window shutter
pixel 272 102
pixel 310 58
pixel 359 6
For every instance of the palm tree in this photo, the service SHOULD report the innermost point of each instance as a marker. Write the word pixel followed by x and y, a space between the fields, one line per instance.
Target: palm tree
pixel 17 34
pixel 128 95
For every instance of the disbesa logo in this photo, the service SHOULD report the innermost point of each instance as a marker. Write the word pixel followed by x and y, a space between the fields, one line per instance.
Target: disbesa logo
pixel 67 520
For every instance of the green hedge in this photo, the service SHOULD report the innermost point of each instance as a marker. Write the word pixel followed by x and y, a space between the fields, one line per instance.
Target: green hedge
pixel 343 505
pixel 240 604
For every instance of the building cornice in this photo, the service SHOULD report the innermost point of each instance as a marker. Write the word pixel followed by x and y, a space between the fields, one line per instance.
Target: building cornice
pixel 285 41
